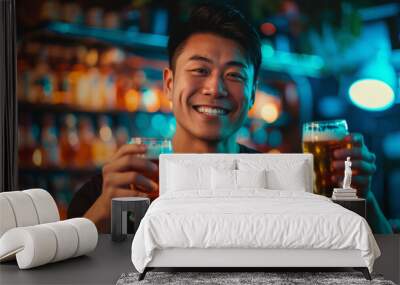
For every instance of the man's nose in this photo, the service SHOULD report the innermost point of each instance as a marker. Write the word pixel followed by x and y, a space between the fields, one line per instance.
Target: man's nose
pixel 215 86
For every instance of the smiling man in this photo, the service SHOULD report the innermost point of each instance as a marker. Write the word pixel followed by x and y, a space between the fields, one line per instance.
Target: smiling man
pixel 214 59
pixel 211 90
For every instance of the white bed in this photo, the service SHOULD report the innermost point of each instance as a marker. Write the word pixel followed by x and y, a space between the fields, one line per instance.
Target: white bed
pixel 201 220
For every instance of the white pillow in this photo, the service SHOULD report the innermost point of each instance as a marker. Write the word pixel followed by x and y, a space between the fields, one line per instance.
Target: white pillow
pixel 183 178
pixel 223 179
pixel 251 178
pixel 235 179
pixel 281 174
pixel 188 175
pixel 292 179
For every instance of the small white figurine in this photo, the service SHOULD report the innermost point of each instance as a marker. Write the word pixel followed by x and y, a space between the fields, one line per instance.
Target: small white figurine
pixel 347 174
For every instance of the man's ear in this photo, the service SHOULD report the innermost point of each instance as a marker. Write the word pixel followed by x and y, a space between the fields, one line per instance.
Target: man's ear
pixel 168 82
pixel 253 94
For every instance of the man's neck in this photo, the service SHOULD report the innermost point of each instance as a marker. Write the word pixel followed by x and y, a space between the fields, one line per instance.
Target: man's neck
pixel 183 142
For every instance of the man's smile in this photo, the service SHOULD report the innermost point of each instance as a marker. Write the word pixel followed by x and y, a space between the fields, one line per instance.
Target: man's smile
pixel 211 110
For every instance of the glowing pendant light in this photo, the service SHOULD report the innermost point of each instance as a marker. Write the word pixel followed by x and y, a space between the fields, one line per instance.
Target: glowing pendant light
pixel 372 94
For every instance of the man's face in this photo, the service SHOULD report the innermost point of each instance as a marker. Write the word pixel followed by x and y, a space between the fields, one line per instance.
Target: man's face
pixel 212 86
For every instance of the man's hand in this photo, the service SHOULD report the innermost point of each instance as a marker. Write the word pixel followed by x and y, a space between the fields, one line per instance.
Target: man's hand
pixel 363 164
pixel 123 176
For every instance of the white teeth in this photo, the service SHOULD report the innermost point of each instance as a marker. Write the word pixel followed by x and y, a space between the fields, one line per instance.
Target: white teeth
pixel 211 111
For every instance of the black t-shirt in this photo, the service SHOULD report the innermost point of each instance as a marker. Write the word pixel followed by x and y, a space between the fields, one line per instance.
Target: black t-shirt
pixel 91 190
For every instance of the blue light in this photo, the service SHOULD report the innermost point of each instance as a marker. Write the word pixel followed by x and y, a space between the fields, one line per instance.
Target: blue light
pixel 260 136
pixel 391 145
pixel 159 122
pixel 275 138
pixel 142 121
pixel 267 50
pixel 331 107
pixel 371 94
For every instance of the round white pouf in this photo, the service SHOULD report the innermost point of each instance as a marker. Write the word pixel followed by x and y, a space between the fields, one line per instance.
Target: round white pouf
pixel 87 235
pixel 23 208
pixel 33 246
pixel 67 239
pixel 7 218
pixel 45 205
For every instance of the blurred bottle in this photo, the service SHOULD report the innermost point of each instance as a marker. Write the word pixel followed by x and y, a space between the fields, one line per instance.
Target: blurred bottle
pixel 109 63
pixel 122 85
pixel 95 96
pixel 50 11
pixel 23 79
pixel 27 141
pixel 94 99
pixel 94 17
pixel 71 13
pixel 61 185
pixel 62 92
pixel 104 144
pixel 43 82
pixel 107 89
pixel 121 136
pixel 84 155
pixel 111 20
pixel 50 147
pixel 78 86
pixel 69 141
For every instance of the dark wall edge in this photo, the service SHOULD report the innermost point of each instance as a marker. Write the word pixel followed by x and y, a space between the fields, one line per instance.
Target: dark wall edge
pixel 8 99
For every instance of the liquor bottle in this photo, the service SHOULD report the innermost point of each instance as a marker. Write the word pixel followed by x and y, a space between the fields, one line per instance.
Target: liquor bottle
pixel 50 147
pixel 107 87
pixel 41 90
pixel 69 141
pixel 84 155
pixel 104 145
pixel 27 142
pixel 78 85
pixel 121 136
pixel 61 94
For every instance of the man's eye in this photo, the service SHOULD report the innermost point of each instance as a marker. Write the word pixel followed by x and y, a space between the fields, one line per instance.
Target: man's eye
pixel 236 76
pixel 200 71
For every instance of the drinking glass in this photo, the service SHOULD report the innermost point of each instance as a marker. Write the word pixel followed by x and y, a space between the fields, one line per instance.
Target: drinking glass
pixel 155 147
pixel 322 138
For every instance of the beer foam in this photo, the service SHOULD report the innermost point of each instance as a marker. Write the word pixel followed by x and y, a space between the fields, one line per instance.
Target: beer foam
pixel 324 134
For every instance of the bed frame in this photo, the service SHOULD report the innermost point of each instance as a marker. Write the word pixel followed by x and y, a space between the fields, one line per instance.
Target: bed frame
pixel 242 259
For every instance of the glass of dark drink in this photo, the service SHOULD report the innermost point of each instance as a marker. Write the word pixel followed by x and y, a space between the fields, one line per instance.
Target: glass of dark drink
pixel 155 147
pixel 322 138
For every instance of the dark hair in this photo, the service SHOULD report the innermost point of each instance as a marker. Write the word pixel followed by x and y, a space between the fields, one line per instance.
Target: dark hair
pixel 222 20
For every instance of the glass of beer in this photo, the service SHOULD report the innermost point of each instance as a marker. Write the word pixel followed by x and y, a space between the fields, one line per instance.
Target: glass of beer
pixel 322 138
pixel 155 147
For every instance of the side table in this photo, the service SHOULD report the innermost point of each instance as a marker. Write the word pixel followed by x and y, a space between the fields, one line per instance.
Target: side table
pixel 120 207
pixel 357 205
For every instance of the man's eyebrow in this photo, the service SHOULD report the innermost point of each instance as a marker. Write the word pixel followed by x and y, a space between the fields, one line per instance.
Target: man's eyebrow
pixel 229 63
pixel 237 63
pixel 200 58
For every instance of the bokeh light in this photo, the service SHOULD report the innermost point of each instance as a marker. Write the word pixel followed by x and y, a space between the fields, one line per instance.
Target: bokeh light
pixel 151 101
pixel 37 157
pixel 132 100
pixel 270 112
pixel 268 29
pixel 105 133
pixel 371 94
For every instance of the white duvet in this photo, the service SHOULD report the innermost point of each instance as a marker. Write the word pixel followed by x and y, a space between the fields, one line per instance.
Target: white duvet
pixel 253 218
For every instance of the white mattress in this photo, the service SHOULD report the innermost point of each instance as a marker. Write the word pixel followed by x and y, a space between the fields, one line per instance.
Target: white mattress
pixel 252 218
